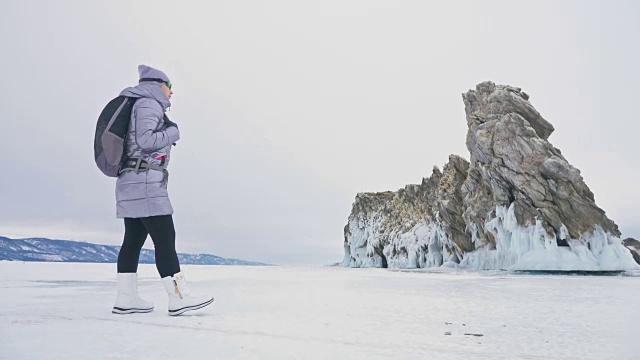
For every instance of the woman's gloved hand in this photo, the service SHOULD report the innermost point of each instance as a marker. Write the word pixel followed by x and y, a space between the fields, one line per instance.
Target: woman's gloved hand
pixel 169 123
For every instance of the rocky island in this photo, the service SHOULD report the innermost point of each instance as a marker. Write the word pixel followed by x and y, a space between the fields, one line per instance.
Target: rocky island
pixel 516 205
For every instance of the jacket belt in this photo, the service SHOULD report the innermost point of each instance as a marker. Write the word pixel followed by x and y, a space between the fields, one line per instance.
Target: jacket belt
pixel 138 164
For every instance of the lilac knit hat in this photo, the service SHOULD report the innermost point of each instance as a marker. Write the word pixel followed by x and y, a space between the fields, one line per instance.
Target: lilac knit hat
pixel 147 72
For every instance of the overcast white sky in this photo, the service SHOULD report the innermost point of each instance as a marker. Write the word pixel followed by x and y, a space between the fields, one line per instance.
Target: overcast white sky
pixel 287 109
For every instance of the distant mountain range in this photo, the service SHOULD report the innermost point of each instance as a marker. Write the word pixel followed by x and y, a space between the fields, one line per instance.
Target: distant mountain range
pixel 40 249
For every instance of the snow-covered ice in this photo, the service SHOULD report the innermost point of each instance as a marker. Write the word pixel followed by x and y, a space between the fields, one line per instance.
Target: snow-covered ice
pixel 62 311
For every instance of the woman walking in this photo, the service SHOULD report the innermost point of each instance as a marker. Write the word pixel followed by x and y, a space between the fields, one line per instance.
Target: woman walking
pixel 143 201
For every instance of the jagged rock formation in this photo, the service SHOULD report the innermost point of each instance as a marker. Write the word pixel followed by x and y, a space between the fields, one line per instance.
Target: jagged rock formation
pixel 418 226
pixel 518 204
pixel 634 246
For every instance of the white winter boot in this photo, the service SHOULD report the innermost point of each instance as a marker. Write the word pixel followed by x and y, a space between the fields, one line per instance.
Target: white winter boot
pixel 180 297
pixel 128 301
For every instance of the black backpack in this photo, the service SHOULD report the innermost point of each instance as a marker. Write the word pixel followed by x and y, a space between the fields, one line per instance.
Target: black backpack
pixel 111 133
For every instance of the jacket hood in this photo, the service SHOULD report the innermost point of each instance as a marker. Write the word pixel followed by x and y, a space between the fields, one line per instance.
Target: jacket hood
pixel 149 90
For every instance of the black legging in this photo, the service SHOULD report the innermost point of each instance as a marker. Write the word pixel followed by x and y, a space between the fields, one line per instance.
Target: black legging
pixel 163 235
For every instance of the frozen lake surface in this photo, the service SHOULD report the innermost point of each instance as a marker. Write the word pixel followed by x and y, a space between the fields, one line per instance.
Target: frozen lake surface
pixel 63 311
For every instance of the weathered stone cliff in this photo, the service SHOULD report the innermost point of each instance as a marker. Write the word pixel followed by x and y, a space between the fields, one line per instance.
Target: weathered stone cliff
pixel 518 204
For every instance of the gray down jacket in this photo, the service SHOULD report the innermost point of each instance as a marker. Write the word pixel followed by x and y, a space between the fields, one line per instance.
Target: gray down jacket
pixel 145 194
